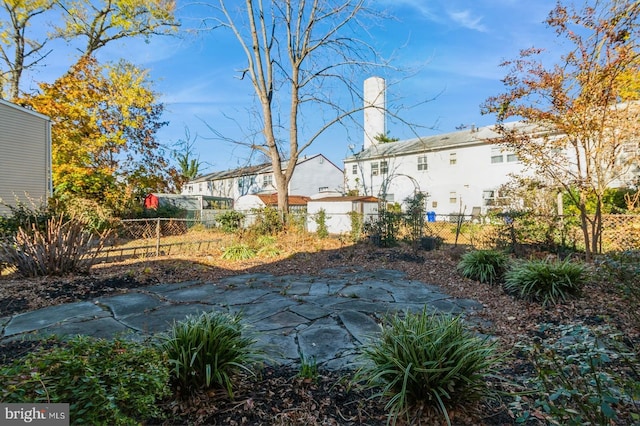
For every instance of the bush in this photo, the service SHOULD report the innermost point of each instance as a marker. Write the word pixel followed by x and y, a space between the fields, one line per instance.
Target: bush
pixel 61 248
pixel 486 266
pixel 356 220
pixel 583 376
pixel 207 349
pixel 623 270
pixel 269 221
pixel 238 252
pixel 430 359
pixel 548 282
pixel 104 381
pixel 22 216
pixel 321 221
pixel 230 221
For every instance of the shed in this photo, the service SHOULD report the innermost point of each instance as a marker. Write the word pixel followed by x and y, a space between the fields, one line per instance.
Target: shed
pixel 25 163
pixel 257 201
pixel 201 207
pixel 338 212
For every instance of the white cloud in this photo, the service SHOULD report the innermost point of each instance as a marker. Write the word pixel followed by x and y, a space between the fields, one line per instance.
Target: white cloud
pixel 467 20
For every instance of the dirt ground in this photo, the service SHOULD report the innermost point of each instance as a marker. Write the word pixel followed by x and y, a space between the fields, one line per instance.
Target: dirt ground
pixel 278 396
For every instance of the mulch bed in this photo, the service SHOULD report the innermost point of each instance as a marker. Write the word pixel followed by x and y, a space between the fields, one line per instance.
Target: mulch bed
pixel 277 395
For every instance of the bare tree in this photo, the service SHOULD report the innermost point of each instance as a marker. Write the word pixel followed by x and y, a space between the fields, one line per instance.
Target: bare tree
pixel 581 136
pixel 303 56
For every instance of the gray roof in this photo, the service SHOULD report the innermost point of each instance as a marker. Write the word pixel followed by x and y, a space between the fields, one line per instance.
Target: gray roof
pixel 248 170
pixel 459 139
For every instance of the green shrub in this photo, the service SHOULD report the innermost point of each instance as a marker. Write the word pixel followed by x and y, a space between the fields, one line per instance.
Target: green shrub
pixel 238 252
pixel 548 282
pixel 62 247
pixel 230 221
pixel 207 349
pixel 622 269
pixel 25 217
pixel 356 220
pixel 430 359
pixel 486 266
pixel 321 221
pixel 269 221
pixel 583 376
pixel 104 381
pixel 268 251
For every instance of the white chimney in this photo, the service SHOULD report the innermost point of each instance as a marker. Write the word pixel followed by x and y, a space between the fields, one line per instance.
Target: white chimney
pixel 374 110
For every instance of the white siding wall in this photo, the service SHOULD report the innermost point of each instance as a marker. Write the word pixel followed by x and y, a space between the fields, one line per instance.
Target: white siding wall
pixel 338 219
pixel 451 187
pixel 25 156
pixel 315 175
pixel 309 177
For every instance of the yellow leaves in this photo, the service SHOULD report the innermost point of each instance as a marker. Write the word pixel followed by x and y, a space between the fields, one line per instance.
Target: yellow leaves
pixel 101 116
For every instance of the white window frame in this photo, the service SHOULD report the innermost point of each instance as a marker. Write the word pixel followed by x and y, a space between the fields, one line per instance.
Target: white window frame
pixel 453 158
pixel 422 163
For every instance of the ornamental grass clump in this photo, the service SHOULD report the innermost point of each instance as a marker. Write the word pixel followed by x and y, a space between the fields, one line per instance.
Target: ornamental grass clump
pixel 545 281
pixel 427 360
pixel 208 349
pixel 486 266
pixel 63 246
pixel 238 252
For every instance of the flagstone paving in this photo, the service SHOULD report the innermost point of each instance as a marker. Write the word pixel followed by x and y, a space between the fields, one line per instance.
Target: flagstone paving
pixel 322 318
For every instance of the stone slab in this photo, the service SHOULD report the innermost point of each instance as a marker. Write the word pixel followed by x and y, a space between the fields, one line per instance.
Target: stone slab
pixel 130 303
pixel 361 326
pixel 46 317
pixel 324 343
pixel 160 320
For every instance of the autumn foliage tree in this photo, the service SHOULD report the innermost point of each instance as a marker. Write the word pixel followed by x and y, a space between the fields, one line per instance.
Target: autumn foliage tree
pixel 580 115
pixel 26 27
pixel 104 123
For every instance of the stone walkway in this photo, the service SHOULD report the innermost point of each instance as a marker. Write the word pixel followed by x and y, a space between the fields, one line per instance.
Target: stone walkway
pixel 322 318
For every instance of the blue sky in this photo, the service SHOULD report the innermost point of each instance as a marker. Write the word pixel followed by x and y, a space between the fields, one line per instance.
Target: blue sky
pixel 453 48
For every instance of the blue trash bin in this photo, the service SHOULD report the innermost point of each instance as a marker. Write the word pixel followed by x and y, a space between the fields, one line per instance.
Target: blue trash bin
pixel 431 216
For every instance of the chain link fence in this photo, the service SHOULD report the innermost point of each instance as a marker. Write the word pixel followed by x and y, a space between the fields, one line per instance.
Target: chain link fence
pixel 153 237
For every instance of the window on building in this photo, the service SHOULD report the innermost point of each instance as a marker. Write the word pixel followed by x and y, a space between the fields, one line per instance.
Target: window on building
pixel 496 155
pixel 354 169
pixel 512 158
pixel 453 159
pixel 384 167
pixel 267 181
pixel 189 189
pixel 453 197
pixel 200 187
pixel 323 188
pixel 374 169
pixel 422 162
pixel 489 197
pixel 434 204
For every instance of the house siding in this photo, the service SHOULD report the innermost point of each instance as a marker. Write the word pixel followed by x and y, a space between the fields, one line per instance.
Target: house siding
pixel 456 171
pixel 310 176
pixel 25 156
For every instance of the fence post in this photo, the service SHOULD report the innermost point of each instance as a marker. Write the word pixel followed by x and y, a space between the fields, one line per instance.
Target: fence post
pixel 158 237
